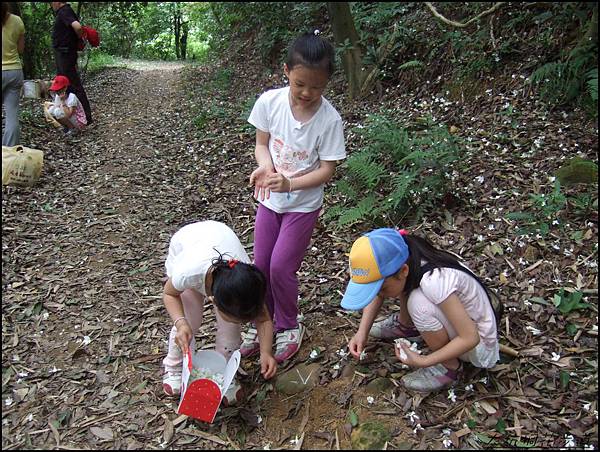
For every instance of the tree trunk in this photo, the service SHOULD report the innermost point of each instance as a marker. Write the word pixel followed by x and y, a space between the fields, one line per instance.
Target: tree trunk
pixel 214 11
pixel 30 51
pixel 177 32
pixel 345 34
pixel 183 40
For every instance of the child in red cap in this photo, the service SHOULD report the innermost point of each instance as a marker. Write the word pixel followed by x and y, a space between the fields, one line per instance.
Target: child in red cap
pixel 439 299
pixel 66 108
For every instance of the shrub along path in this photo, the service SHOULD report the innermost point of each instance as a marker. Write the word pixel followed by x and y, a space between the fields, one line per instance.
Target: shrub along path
pixel 84 327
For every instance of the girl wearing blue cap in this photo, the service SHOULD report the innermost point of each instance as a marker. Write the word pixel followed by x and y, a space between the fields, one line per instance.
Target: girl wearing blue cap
pixel 440 300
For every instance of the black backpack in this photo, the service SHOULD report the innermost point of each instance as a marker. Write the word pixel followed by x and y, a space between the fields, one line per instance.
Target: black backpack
pixel 497 305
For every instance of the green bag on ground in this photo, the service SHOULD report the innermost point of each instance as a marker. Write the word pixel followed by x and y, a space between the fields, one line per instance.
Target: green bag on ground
pixel 21 165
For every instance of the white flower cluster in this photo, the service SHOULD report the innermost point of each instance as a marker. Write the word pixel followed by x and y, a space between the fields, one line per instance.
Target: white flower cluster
pixel 199 372
pixel 412 345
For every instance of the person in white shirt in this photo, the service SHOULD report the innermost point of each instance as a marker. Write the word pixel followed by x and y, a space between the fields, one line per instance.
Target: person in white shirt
pixel 299 139
pixel 206 261
pixel 66 108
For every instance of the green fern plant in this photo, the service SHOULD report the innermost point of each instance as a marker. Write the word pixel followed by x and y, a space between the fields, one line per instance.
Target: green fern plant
pixel 397 172
pixel 564 82
pixel 413 64
pixel 592 84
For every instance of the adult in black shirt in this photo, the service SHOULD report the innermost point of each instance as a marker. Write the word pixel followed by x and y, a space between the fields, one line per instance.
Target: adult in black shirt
pixel 65 39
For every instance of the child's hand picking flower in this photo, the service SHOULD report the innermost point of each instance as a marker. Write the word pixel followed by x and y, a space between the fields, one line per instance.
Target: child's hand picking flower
pixel 408 356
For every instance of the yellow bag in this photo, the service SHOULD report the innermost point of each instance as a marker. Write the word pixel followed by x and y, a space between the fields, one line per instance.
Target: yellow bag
pixel 21 165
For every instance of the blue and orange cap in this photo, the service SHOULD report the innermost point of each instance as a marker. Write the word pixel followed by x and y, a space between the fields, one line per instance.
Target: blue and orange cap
pixel 373 257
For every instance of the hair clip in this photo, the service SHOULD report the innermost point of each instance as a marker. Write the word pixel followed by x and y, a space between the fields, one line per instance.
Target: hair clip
pixel 403 232
pixel 317 32
pixel 232 263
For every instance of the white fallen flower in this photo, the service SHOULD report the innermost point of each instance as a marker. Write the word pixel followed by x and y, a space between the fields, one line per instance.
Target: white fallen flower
pixel 362 356
pixel 295 441
pixel 413 417
pixel 313 354
pixel 86 340
pixel 469 388
pixel 447 443
pixel 370 400
pixel 555 357
pixel 533 330
pixel 9 401
pixel 569 441
pixel 417 428
pixel 342 353
pixel 451 395
pixel 199 372
pixel 413 346
pixel 587 406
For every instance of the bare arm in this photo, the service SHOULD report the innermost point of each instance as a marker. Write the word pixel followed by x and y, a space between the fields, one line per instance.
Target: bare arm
pixel 315 178
pixel 261 152
pixel 467 336
pixel 172 301
pixel 264 328
pixel 260 175
pixel 21 44
pixel 358 343
pixel 278 183
pixel 77 27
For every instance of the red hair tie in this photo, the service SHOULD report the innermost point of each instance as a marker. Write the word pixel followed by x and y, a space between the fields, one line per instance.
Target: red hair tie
pixel 403 232
pixel 232 263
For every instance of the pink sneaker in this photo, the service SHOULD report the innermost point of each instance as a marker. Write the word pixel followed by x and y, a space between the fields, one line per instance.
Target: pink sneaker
pixel 287 343
pixel 432 378
pixel 392 328
pixel 250 345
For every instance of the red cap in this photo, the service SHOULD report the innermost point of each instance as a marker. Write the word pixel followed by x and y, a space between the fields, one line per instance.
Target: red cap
pixel 60 82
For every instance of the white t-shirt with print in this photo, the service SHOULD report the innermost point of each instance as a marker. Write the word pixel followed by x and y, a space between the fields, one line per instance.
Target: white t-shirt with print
pixel 192 250
pixel 296 147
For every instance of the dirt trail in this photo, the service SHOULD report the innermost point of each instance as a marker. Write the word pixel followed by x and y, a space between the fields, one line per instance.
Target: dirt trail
pixel 83 254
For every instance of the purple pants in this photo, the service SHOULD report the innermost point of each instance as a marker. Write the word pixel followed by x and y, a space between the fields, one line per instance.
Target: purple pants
pixel 280 242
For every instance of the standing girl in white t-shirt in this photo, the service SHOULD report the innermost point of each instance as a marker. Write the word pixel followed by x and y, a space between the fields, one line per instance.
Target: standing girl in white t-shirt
pixel 206 261
pixel 440 299
pixel 299 139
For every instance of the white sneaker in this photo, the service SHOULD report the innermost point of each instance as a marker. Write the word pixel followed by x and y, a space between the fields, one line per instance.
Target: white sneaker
pixel 172 383
pixel 250 345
